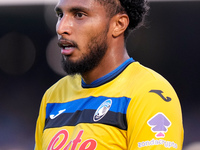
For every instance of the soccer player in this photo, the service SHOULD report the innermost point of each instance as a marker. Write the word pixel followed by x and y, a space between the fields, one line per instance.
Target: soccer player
pixel 108 101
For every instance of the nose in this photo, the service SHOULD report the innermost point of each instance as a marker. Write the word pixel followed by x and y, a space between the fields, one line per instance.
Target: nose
pixel 64 25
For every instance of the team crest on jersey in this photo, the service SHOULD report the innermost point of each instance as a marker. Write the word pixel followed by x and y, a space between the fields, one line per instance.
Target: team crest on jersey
pixel 159 124
pixel 102 110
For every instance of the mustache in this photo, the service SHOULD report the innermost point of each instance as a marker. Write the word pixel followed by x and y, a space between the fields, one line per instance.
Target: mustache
pixel 62 42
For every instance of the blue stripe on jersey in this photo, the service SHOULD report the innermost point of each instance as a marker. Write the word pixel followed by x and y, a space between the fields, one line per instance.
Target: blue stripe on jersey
pixel 108 77
pixel 83 110
pixel 119 104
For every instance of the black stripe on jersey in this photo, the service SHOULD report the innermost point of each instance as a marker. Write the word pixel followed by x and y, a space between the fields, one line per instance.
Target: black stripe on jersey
pixel 115 119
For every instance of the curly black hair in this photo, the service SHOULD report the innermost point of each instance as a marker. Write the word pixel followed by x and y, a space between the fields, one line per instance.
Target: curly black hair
pixel 135 9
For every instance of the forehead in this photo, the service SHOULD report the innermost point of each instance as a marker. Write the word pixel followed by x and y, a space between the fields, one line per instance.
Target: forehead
pixel 92 4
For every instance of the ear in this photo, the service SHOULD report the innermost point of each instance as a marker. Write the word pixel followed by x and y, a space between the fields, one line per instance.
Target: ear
pixel 121 22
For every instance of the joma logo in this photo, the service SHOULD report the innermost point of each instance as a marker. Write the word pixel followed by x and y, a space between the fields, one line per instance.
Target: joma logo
pixel 159 92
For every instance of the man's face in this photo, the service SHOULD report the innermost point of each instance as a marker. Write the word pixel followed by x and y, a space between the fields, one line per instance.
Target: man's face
pixel 82 30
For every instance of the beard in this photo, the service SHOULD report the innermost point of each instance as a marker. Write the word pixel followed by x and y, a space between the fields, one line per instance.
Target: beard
pixel 97 48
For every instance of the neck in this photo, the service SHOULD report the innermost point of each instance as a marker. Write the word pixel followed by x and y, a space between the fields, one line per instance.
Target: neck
pixel 112 59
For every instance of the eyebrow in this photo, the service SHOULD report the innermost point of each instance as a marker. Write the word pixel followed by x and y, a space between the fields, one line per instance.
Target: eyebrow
pixel 73 9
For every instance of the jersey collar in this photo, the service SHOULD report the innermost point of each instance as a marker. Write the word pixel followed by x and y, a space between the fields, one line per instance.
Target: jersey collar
pixel 108 77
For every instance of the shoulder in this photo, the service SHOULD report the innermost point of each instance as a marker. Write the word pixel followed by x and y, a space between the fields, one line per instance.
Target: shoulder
pixel 66 81
pixel 145 73
pixel 64 86
pixel 152 89
pixel 141 76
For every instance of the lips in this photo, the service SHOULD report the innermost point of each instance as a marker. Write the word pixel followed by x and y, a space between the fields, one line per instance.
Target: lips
pixel 67 46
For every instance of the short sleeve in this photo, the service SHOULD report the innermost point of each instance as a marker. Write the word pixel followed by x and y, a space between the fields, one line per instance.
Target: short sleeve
pixel 154 118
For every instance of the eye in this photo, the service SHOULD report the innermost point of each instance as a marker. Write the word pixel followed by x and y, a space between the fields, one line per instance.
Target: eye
pixel 59 14
pixel 80 15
